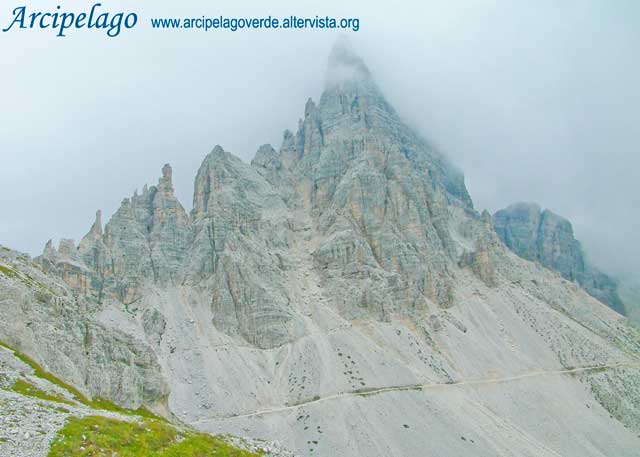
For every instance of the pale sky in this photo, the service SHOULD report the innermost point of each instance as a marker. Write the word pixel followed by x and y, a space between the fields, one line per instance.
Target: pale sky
pixel 536 101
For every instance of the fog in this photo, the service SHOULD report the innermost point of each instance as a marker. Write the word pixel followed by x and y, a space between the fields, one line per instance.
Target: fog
pixel 535 101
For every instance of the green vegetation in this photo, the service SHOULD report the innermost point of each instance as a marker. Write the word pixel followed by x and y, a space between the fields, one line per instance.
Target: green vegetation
pixel 95 403
pixel 101 403
pixel 96 435
pixel 26 388
pixel 42 373
pixel 8 272
pixel 24 278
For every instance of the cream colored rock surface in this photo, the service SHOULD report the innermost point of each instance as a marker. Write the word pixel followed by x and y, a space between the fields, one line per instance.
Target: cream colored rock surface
pixel 341 296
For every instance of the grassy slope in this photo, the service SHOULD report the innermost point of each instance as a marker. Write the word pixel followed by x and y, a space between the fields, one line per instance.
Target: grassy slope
pixel 96 403
pixel 96 435
pixel 99 436
pixel 26 388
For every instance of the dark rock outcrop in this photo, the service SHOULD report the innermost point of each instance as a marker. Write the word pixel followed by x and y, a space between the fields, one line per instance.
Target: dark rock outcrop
pixel 542 236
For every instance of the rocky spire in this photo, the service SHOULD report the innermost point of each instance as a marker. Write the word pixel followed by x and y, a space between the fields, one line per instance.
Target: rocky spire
pixel 345 66
pixel 49 251
pixel 216 152
pixel 94 234
pixel 67 248
pixel 349 87
pixel 96 228
pixel 165 183
pixel 267 157
pixel 353 120
pixel 206 180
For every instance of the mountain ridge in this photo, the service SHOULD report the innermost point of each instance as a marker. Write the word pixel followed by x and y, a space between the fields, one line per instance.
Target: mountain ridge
pixel 351 260
pixel 543 236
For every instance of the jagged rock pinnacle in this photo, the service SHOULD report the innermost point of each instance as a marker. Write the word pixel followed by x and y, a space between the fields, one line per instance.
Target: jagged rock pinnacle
pixel 265 154
pixel 165 183
pixel 97 225
pixel 49 251
pixel 345 65
pixel 94 234
pixel 205 179
pixel 267 157
pixel 166 171
pixel 217 151
pixel 309 107
pixel 350 89
pixel 67 247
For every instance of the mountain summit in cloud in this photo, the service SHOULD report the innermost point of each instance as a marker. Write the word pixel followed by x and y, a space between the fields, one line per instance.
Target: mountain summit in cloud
pixel 339 295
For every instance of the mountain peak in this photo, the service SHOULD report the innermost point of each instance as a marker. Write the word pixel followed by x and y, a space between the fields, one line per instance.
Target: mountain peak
pixel 266 155
pixel 217 150
pixel 345 65
pixel 350 88
pixel 525 206
pixel 165 183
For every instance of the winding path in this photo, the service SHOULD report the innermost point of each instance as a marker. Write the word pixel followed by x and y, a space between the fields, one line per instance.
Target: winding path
pixel 381 390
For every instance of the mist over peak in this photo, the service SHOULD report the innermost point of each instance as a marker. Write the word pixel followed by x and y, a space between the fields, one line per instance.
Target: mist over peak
pixel 533 103
pixel 344 66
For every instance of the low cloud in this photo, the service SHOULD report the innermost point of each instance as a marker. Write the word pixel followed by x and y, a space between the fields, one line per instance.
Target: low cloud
pixel 533 102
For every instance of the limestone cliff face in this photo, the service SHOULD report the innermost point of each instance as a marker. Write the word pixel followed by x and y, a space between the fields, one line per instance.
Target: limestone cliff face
pixel 54 324
pixel 381 220
pixel 375 206
pixel 547 238
pixel 335 278
pixel 240 228
pixel 145 240
pixel 378 195
pixel 367 194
